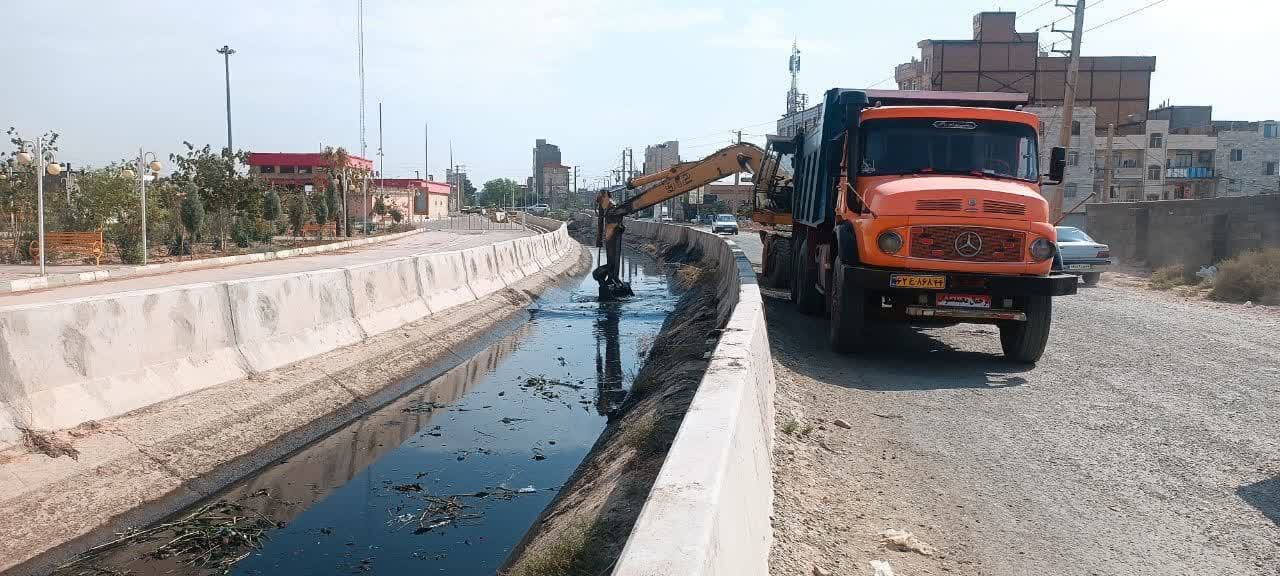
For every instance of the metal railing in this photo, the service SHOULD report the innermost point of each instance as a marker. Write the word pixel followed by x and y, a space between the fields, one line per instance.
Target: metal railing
pixel 1189 172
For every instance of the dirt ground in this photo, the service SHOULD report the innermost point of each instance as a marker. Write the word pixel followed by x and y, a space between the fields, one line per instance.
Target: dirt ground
pixel 1146 441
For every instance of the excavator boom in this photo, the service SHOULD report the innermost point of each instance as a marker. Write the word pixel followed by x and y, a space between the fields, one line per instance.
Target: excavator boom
pixel 657 188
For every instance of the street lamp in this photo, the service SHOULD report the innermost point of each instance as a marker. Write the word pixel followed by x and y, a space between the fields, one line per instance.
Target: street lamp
pixel 53 169
pixel 226 53
pixel 143 167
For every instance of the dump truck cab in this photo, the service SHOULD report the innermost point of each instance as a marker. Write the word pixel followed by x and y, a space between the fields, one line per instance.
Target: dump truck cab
pixel 922 207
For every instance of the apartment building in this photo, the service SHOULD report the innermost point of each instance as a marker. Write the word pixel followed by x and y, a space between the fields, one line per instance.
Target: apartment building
pixel 1078 182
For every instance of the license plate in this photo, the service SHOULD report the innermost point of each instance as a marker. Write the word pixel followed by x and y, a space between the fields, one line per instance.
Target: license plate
pixel 964 300
pixel 917 281
pixel 1079 266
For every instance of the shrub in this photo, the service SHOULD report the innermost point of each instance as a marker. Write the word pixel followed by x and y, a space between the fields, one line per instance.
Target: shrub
pixel 1170 275
pixel 129 242
pixel 243 232
pixel 1251 276
pixel 297 214
pixel 179 246
pixel 396 215
pixel 271 208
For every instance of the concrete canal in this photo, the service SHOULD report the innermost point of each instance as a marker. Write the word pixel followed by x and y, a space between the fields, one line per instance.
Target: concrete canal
pixel 447 478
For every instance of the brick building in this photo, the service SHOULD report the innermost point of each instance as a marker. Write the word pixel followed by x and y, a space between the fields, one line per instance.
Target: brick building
pixel 292 171
pixel 416 198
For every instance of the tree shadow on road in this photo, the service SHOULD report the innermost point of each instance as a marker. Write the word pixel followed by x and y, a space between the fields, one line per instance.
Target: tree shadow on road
pixel 900 358
pixel 1265 496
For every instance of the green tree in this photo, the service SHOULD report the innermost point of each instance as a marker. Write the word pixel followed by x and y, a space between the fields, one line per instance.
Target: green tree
pixel 297 214
pixel 271 207
pixel 224 189
pixel 380 206
pixel 192 216
pixel 497 192
pixel 320 206
pixel 468 192
pixel 396 215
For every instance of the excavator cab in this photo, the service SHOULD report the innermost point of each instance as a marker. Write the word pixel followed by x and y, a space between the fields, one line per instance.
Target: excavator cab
pixel 771 193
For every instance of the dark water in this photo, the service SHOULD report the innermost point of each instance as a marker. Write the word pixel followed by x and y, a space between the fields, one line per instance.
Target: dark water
pixel 481 449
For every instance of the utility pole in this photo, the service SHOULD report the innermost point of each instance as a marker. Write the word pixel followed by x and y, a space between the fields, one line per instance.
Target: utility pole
pixel 736 174
pixel 226 53
pixel 364 182
pixel 426 149
pixel 1069 103
pixel 382 166
pixel 1106 176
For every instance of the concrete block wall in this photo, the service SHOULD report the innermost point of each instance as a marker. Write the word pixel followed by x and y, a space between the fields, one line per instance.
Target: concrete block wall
pixel 65 363
pixel 1189 232
pixel 710 506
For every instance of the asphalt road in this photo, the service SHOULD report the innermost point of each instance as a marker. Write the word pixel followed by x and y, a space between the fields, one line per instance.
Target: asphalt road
pixel 1146 441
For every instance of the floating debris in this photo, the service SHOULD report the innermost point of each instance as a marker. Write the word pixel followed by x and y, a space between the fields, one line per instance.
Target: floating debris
pixel 427 407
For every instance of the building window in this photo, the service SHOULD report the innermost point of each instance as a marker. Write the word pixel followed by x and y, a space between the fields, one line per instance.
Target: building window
pixel 1075 127
pixel 1073 158
pixel 266 169
pixel 1270 130
pixel 1069 191
pixel 1153 172
pixel 1206 157
pixel 1271 169
pixel 1182 160
pixel 1237 154
pixel 304 169
pixel 288 169
pixel 1157 140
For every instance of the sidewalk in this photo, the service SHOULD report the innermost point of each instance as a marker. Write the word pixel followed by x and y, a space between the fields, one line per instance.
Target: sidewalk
pixel 419 243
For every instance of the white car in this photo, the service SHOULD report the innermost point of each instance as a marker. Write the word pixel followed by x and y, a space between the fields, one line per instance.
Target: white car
pixel 539 209
pixel 725 223
pixel 1080 255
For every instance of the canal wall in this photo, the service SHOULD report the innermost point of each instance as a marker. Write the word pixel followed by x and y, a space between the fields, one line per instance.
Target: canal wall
pixel 709 509
pixel 66 363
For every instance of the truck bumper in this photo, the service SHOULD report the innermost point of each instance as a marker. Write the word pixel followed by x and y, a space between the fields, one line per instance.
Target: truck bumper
pixel 888 280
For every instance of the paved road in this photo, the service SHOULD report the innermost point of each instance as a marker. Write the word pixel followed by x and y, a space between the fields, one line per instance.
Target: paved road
pixel 429 241
pixel 1147 441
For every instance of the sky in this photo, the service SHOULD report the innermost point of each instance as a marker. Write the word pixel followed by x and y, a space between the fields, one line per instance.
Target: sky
pixel 592 76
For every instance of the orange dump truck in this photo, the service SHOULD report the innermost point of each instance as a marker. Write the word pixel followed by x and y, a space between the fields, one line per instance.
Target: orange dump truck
pixel 921 207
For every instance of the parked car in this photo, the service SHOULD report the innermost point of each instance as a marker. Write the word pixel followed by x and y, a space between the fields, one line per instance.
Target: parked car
pixel 1080 255
pixel 725 223
pixel 539 209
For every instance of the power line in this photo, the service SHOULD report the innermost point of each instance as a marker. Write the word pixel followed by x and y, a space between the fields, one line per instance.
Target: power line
pixel 1033 9
pixel 1126 14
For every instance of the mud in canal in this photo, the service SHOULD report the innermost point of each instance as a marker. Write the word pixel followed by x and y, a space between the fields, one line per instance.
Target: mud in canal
pixel 446 479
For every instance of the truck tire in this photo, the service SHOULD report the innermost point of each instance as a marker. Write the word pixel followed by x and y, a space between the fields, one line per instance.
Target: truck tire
pixel 775 270
pixel 1024 342
pixel 847 329
pixel 1091 278
pixel 804 291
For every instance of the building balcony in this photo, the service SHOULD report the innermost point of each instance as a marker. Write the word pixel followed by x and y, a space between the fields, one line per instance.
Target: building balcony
pixel 1190 172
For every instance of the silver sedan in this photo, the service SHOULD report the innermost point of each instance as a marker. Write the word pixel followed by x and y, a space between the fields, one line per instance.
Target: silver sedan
pixel 1080 255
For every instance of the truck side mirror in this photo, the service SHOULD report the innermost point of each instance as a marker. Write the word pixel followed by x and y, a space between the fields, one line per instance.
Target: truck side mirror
pixel 1057 165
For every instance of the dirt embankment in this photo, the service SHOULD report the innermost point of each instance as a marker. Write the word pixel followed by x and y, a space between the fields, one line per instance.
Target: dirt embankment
pixel 583 531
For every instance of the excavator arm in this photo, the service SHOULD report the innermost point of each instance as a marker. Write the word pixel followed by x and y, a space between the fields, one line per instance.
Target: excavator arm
pixel 654 189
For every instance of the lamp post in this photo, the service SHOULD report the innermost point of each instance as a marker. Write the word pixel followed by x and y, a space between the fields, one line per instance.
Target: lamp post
pixel 53 169
pixel 226 53
pixel 142 168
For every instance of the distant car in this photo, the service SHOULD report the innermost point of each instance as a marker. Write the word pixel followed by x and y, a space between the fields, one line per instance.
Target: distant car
pixel 666 219
pixel 539 209
pixel 725 223
pixel 1080 255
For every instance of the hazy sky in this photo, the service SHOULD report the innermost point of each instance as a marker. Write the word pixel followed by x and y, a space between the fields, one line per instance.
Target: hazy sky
pixel 592 76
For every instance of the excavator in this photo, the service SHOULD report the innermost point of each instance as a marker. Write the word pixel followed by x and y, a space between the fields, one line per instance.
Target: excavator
pixel 654 189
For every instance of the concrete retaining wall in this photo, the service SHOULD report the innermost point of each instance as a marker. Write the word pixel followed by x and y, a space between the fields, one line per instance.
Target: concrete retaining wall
pixel 708 511
pixel 68 362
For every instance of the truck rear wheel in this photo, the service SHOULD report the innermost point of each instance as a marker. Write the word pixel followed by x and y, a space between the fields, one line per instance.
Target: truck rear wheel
pixel 1024 342
pixel 775 270
pixel 804 290
pixel 1091 278
pixel 847 330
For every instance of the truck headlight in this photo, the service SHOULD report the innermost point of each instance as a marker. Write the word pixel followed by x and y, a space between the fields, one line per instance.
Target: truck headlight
pixel 889 242
pixel 1041 249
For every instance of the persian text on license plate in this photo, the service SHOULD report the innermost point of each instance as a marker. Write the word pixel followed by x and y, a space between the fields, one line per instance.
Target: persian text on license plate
pixel 1079 266
pixel 964 300
pixel 917 281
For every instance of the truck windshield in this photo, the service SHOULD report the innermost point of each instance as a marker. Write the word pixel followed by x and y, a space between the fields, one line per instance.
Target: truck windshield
pixel 949 146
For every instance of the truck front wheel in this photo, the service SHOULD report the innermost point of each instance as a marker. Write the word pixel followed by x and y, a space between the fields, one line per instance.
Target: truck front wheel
pixel 1024 342
pixel 848 326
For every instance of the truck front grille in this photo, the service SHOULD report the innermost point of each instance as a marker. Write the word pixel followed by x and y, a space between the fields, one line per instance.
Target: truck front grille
pixel 967 244
pixel 940 205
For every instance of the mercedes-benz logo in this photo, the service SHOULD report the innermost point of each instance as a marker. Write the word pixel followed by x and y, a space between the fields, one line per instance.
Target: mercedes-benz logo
pixel 968 244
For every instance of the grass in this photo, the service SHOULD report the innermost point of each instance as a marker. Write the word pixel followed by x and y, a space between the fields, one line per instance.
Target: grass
pixel 577 551
pixel 644 436
pixel 1170 275
pixel 1249 277
pixel 791 427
